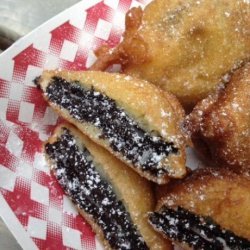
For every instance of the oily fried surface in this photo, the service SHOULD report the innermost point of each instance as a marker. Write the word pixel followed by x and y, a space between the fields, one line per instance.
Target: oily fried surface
pixel 219 193
pixel 184 47
pixel 134 191
pixel 133 49
pixel 220 124
pixel 153 109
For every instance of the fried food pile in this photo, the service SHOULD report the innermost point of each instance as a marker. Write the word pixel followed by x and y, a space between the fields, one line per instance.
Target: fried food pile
pixel 185 47
pixel 129 132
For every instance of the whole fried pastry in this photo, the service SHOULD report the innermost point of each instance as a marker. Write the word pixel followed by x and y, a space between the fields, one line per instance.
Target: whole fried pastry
pixel 220 124
pixel 210 209
pixel 131 118
pixel 109 195
pixel 183 46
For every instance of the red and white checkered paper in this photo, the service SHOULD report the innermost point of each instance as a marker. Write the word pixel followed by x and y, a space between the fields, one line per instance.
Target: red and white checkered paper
pixel 32 203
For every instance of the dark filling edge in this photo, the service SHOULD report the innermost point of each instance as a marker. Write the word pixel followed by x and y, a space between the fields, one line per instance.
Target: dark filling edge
pixel 199 232
pixel 76 172
pixel 143 149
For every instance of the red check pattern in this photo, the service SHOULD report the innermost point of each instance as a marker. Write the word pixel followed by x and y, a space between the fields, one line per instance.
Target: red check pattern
pixel 25 121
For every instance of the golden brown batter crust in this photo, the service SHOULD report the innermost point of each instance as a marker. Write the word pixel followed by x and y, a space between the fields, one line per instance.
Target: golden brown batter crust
pixel 219 193
pixel 135 191
pixel 220 124
pixel 184 47
pixel 151 108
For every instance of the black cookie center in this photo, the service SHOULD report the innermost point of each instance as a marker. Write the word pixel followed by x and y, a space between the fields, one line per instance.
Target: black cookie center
pixel 198 232
pixel 77 174
pixel 141 148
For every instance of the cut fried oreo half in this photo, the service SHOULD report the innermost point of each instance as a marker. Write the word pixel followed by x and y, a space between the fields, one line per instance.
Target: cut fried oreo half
pixel 131 118
pixel 197 232
pixel 111 197
pixel 210 209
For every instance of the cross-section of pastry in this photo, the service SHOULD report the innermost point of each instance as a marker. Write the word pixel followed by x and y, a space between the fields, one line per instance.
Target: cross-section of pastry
pixel 220 124
pixel 183 46
pixel 131 118
pixel 109 195
pixel 210 209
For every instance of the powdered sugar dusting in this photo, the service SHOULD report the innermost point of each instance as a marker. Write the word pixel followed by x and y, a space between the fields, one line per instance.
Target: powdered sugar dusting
pixel 145 150
pixel 198 232
pixel 76 172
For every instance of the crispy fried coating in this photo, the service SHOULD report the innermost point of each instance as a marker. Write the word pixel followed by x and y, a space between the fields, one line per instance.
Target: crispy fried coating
pixel 220 194
pixel 119 115
pixel 184 47
pixel 220 124
pixel 130 189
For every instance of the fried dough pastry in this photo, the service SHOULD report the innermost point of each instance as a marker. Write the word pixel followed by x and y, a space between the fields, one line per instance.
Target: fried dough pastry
pixel 109 195
pixel 210 209
pixel 183 46
pixel 220 124
pixel 131 118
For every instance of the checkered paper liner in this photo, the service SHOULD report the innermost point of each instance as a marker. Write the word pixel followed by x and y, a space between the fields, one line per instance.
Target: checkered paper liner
pixel 32 203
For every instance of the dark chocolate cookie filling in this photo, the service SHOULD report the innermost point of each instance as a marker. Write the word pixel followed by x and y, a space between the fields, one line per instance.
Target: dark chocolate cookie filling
pixel 199 232
pixel 143 149
pixel 76 172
